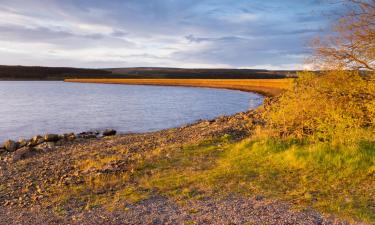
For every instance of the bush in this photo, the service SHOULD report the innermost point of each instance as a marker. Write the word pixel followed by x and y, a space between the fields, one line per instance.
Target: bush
pixel 333 106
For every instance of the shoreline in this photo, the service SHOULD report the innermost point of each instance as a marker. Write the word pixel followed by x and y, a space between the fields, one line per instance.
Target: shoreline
pixel 265 87
pixel 50 173
pixel 226 84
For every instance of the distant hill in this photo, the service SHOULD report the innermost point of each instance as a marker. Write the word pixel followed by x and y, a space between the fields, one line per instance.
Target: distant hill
pixel 60 73
pixel 179 73
pixel 48 73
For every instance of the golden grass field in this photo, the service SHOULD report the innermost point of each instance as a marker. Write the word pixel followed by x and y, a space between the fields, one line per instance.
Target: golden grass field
pixel 268 87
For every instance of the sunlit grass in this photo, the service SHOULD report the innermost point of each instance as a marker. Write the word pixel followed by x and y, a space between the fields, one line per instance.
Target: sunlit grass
pixel 270 87
pixel 337 179
pixel 98 162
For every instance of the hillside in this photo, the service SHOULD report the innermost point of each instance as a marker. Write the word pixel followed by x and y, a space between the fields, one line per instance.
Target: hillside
pixel 181 73
pixel 61 73
pixel 47 73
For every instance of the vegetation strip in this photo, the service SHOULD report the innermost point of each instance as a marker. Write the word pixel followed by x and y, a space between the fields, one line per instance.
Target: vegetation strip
pixel 267 87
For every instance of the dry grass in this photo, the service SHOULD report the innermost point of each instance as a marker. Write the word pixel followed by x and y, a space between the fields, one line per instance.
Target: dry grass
pixel 268 87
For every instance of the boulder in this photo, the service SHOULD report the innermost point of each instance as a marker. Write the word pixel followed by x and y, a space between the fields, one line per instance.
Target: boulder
pixel 23 153
pixel 87 135
pixel 109 132
pixel 22 143
pixel 51 137
pixel 71 137
pixel 10 145
pixel 66 136
pixel 36 140
pixel 62 136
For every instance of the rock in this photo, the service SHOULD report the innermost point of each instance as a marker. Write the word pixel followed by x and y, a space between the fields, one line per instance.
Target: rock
pixel 67 137
pixel 60 142
pixel 50 145
pixel 259 197
pixel 71 137
pixel 10 145
pixel 22 143
pixel 36 140
pixel 45 146
pixel 87 135
pixel 62 136
pixel 109 132
pixel 23 153
pixel 2 149
pixel 51 137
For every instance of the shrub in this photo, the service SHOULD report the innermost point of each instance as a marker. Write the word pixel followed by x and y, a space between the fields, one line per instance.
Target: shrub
pixel 332 106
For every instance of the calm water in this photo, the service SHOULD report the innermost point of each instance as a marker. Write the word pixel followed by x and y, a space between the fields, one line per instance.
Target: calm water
pixel 30 108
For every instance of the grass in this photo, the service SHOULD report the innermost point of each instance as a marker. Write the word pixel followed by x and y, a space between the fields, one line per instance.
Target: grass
pixel 268 87
pixel 337 180
pixel 331 179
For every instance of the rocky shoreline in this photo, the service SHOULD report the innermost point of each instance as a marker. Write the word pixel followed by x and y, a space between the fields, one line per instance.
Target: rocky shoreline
pixel 24 148
pixel 29 177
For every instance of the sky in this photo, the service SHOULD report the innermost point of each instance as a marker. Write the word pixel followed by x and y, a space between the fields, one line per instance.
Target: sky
pixel 265 34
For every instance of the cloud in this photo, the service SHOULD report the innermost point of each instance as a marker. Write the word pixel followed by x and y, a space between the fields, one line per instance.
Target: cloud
pixel 193 33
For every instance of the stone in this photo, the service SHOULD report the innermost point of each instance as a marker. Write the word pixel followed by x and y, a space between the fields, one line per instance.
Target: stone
pixel 22 143
pixel 87 135
pixel 62 136
pixel 60 142
pixel 2 149
pixel 51 137
pixel 10 145
pixel 50 144
pixel 23 153
pixel 71 137
pixel 45 146
pixel 259 197
pixel 109 132
pixel 36 140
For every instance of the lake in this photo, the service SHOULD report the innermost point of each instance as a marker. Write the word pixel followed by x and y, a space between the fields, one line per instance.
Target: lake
pixel 28 108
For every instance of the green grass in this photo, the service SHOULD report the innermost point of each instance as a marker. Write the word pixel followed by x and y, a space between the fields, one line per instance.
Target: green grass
pixel 336 180
pixel 331 179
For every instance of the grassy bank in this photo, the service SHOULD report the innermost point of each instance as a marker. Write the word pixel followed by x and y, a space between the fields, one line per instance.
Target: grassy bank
pixel 336 180
pixel 304 174
pixel 268 87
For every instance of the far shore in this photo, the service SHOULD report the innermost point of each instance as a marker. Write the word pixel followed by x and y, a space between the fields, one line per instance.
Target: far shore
pixel 266 87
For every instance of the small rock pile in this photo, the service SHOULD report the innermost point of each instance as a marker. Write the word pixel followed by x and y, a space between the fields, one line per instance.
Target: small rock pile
pixel 50 141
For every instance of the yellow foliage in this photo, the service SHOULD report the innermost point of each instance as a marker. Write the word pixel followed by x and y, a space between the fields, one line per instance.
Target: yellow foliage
pixel 335 106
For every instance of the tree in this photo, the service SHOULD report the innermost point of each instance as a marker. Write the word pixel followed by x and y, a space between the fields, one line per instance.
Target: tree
pixel 336 105
pixel 352 44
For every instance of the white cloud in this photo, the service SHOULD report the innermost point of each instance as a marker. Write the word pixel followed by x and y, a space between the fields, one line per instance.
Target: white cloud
pixel 155 33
